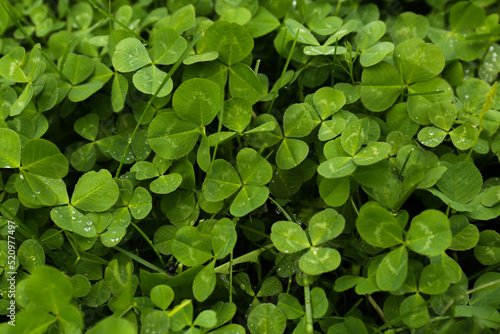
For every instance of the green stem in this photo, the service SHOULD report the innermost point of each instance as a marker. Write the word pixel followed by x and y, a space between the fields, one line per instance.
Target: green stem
pixel 231 277
pixel 289 58
pixel 150 102
pixel 307 299
pixel 141 232
pixel 248 257
pixel 124 26
pixel 282 210
pixel 140 260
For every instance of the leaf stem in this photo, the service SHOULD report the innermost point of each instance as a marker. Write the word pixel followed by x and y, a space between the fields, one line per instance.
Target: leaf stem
pixel 248 257
pixel 377 308
pixel 282 210
pixel 124 26
pixel 141 232
pixel 289 58
pixel 140 260
pixel 307 300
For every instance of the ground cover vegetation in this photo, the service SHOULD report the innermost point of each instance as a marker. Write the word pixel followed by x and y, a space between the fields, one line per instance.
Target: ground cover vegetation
pixel 232 166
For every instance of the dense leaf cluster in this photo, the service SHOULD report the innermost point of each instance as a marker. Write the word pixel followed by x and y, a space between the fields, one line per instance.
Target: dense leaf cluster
pixel 200 166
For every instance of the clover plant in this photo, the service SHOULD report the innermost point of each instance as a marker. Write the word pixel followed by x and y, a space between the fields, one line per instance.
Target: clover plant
pixel 246 166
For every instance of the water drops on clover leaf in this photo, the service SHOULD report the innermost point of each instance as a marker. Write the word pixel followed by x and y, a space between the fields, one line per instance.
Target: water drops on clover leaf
pixel 31 254
pixel 303 34
pixel 375 53
pixel 248 199
pixel 70 219
pixel 130 55
pixel 417 60
pixel 337 167
pixel 324 226
pixel 370 34
pixel 149 79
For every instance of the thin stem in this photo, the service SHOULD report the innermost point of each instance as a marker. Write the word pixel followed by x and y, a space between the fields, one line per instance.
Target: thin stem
pixel 231 277
pixel 282 210
pixel 140 260
pixel 141 232
pixel 283 73
pixel 248 257
pixel 124 26
pixel 307 299
pixel 377 308
pixel 150 102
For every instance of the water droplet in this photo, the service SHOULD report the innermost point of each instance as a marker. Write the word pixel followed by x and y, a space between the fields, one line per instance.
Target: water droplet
pixel 278 211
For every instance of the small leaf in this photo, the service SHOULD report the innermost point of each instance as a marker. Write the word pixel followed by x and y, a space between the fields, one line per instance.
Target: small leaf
pixel 87 126
pixel 31 255
pixel 248 199
pixel 372 154
pixel 370 34
pixel 291 153
pixel 231 40
pixel 297 121
pixel 95 192
pixel 431 136
pixel 77 68
pixel 463 137
pixel 171 137
pixel 113 236
pixel 162 295
pixel 290 306
pixel 204 282
pixel 190 247
pixel 141 203
pixel 414 310
pixel 166 184
pixel 392 271
pixel 10 148
pixel 223 238
pixel 429 233
pixel 270 287
pixel 380 86
pixel 461 182
pixel 324 226
pixel 319 260
pixel 197 101
pixel 266 318
pixel 237 114
pixel 355 135
pixel 130 55
pixel 168 46
pixel 288 237
pixel 221 182
pixel 243 82
pixel 487 251
pixel 337 167
pixel 378 227
pixel 434 280
pixel 149 79
pixel 253 169
pixel 70 219
pixel 303 34
pixel 41 157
